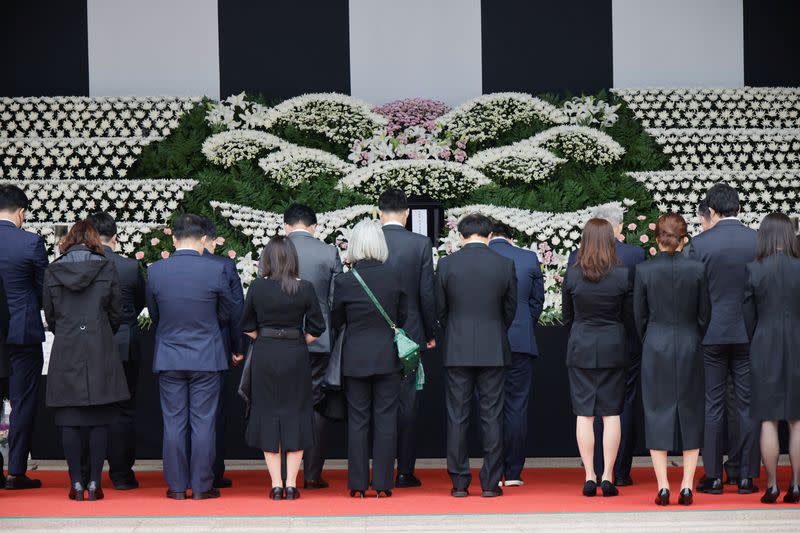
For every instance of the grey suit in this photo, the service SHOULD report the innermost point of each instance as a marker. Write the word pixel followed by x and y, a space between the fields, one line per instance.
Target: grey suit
pixel 319 265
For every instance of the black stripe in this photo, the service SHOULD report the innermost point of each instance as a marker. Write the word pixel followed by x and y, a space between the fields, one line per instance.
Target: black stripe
pixel 539 46
pixel 771 43
pixel 282 49
pixel 45 48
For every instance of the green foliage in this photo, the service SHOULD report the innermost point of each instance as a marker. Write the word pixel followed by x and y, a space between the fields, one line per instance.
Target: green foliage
pixel 310 140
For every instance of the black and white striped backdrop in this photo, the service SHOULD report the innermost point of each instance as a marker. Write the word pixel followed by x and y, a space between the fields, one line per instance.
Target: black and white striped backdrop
pixel 381 50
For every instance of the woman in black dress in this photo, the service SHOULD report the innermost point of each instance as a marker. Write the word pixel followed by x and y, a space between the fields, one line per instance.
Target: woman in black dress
pixel 282 314
pixel 772 316
pixel 85 379
pixel 597 307
pixel 672 309
pixel 370 366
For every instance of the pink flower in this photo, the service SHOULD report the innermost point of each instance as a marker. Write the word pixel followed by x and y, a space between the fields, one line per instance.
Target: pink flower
pixel 632 226
pixel 652 251
pixel 164 254
pixel 220 241
pixel 232 254
pixel 154 241
pixel 641 217
pixel 139 256
pixel 445 154
pixel 461 155
pixel 644 238
pixel 167 231
pixel 652 226
pixel 621 238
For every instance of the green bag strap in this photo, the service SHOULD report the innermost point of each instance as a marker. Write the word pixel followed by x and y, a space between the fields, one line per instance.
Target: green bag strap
pixel 374 300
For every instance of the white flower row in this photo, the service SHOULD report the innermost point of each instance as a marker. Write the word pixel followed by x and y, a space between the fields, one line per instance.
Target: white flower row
pixel 490 115
pixel 589 111
pixel 444 180
pixel 579 143
pixel 730 149
pixel 73 158
pixel 296 165
pixel 229 147
pixel 130 200
pixel 236 112
pixel 519 162
pixel 92 116
pixel 759 191
pixel 129 234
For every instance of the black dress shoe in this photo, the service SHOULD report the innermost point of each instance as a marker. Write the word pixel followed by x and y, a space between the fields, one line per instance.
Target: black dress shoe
pixel 747 486
pixel 590 488
pixel 276 493
pixel 222 483
pixel 623 482
pixel 22 483
pixel 609 489
pixel 459 493
pixel 405 481
pixel 384 494
pixel 662 498
pixel 358 493
pixel 76 492
pixel 710 486
pixel 127 485
pixel 176 495
pixel 292 493
pixel 492 493
pixel 314 484
pixel 686 497
pixel 94 491
pixel 792 495
pixel 207 495
pixel 770 495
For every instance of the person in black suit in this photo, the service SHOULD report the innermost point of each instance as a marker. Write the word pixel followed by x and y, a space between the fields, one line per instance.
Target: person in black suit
pixel 672 310
pixel 23 261
pixel 5 316
pixel 190 301
pixel 597 309
pixel 370 365
pixel 122 433
pixel 630 422
pixel 476 294
pixel 411 255
pixel 522 341
pixel 233 340
pixel 725 250
pixel 772 316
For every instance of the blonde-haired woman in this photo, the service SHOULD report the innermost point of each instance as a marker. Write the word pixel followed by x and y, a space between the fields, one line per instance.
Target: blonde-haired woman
pixel 370 365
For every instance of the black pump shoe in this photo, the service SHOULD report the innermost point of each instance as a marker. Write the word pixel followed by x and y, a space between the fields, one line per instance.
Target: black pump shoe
pixel 358 493
pixel 590 488
pixel 276 493
pixel 76 492
pixel 292 493
pixel 792 495
pixel 384 494
pixel 95 491
pixel 662 498
pixel 770 495
pixel 686 497
pixel 609 489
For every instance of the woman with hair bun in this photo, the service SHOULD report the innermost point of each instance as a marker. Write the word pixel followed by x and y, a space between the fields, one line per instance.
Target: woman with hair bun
pixel 672 309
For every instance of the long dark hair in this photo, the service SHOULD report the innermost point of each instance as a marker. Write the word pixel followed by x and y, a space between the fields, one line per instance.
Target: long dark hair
pixel 776 235
pixel 279 262
pixel 597 255
pixel 84 233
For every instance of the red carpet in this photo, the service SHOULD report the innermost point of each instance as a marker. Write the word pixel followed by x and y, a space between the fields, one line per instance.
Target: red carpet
pixel 552 490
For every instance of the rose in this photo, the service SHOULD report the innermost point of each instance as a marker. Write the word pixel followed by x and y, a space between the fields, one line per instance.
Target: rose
pixel 139 256
pixel 154 241
pixel 652 226
pixel 632 226
pixel 220 241
pixel 644 239
pixel 232 254
pixel 167 231
pixel 652 251
pixel 164 254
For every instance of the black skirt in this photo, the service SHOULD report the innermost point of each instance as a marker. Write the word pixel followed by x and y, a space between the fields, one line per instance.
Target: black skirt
pixel 597 391
pixel 87 415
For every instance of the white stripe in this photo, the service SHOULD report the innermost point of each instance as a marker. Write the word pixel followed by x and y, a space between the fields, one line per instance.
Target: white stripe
pixel 153 47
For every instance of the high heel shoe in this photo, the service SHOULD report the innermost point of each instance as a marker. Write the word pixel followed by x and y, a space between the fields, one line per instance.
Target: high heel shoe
pixel 292 493
pixel 662 498
pixel 792 495
pixel 95 491
pixel 770 495
pixel 276 493
pixel 76 492
pixel 358 493
pixel 609 489
pixel 686 497
pixel 590 488
pixel 385 493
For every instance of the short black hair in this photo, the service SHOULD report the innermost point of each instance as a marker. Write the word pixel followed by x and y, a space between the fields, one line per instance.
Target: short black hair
pixel 211 228
pixel 501 229
pixel 12 198
pixel 723 199
pixel 475 224
pixel 702 209
pixel 104 223
pixel 189 226
pixel 393 201
pixel 299 214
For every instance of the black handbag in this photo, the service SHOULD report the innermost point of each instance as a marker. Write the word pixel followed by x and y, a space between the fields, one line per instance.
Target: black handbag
pixel 246 381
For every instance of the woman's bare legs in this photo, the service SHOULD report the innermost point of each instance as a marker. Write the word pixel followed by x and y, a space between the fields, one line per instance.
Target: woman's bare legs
pixel 273 461
pixel 584 433
pixel 689 466
pixel 612 431
pixel 293 460
pixel 660 466
pixel 770 450
pixel 794 450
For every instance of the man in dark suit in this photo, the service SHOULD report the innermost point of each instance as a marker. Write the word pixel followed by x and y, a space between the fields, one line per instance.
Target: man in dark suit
pixel 122 435
pixel 190 301
pixel 232 338
pixel 522 341
pixel 630 425
pixel 411 255
pixel 476 295
pixel 5 316
pixel 726 249
pixel 319 264
pixel 23 260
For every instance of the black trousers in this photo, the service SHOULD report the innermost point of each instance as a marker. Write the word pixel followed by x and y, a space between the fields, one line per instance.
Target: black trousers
pixel 219 458
pixel 23 391
pixel 371 401
pixel 406 426
pixel 314 457
pixel 461 384
pixel 122 434
pixel 720 360
pixel 518 380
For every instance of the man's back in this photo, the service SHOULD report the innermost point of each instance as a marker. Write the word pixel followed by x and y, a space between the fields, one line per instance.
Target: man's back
pixel 131 284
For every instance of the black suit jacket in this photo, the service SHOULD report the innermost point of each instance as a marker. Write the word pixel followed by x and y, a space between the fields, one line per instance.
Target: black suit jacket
pixel 131 284
pixel 5 317
pixel 600 317
pixel 476 294
pixel 368 348
pixel 412 257
pixel 725 250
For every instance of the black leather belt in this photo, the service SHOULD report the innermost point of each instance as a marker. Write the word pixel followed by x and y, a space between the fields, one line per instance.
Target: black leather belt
pixel 278 333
